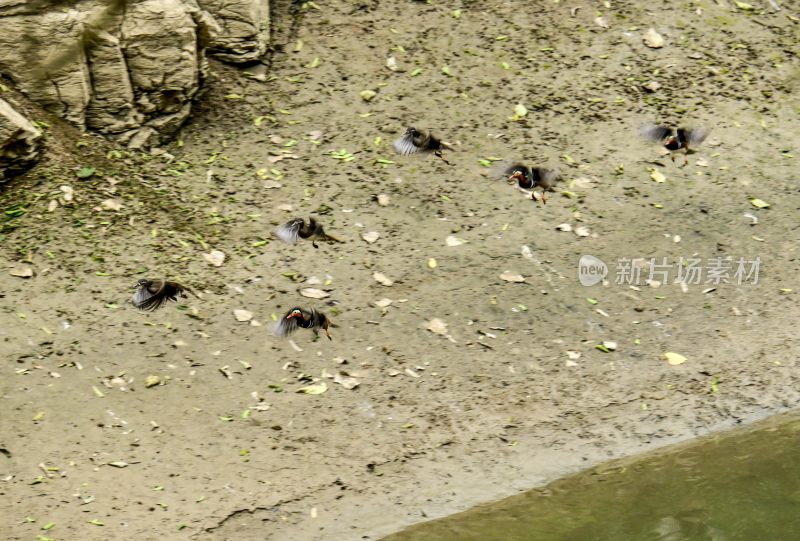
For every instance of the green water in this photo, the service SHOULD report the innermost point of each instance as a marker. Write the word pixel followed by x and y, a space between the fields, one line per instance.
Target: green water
pixel 743 485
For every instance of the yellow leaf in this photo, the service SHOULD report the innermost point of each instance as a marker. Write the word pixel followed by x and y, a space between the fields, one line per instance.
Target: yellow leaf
pixel 674 358
pixel 657 176
pixel 759 204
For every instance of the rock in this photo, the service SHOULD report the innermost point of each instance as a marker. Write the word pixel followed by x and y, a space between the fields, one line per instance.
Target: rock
pixel 114 67
pixel 20 141
pixel 245 29
pixel 653 39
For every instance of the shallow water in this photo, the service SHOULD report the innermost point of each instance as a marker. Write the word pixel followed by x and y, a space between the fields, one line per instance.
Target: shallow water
pixel 741 485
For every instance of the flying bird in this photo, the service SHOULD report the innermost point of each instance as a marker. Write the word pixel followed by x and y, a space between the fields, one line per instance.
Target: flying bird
pixel 675 139
pixel 527 178
pixel 297 228
pixel 152 294
pixel 414 140
pixel 307 319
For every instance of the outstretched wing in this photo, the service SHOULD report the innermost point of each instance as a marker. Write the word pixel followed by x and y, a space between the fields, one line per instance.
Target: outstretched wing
pixel 654 132
pixel 285 327
pixel 697 135
pixel 546 178
pixel 144 299
pixel 405 145
pixel 290 231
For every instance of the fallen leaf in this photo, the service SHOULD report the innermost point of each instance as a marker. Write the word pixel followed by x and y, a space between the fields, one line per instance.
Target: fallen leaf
pixel 454 241
pixel 118 464
pixel 215 258
pixel 656 175
pixel 674 358
pixel 510 277
pixel 317 388
pixel 367 95
pixel 520 112
pixel 437 326
pixel 111 204
pixel 23 271
pixel 242 315
pixel 345 380
pixel 370 236
pixel 601 22
pixel 382 278
pixel 313 293
pixel 151 381
pixel 68 193
pixel 653 39
pixel 759 204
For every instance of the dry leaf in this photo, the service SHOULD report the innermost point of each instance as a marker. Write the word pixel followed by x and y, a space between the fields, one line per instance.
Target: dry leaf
pixel 313 293
pixel 111 204
pixel 215 258
pixel 657 176
pixel 759 204
pixel 22 271
pixel 151 381
pixel 582 231
pixel 317 388
pixel 437 326
pixel 382 278
pixel 454 241
pixel 509 277
pixel 601 22
pixel 370 236
pixel 242 315
pixel 345 380
pixel 674 358
pixel 653 39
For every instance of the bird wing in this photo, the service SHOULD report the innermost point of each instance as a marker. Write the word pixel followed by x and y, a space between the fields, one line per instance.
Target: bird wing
pixel 697 135
pixel 547 178
pixel 285 327
pixel 405 145
pixel 144 299
pixel 290 231
pixel 654 132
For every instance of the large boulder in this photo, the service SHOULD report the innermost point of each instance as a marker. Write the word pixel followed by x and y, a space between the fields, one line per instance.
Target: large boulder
pixel 19 141
pixel 245 29
pixel 126 69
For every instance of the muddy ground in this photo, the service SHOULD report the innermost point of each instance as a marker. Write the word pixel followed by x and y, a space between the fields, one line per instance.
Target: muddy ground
pixel 220 446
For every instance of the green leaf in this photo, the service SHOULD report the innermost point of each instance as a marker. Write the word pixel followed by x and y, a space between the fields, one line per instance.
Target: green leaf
pixel 85 172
